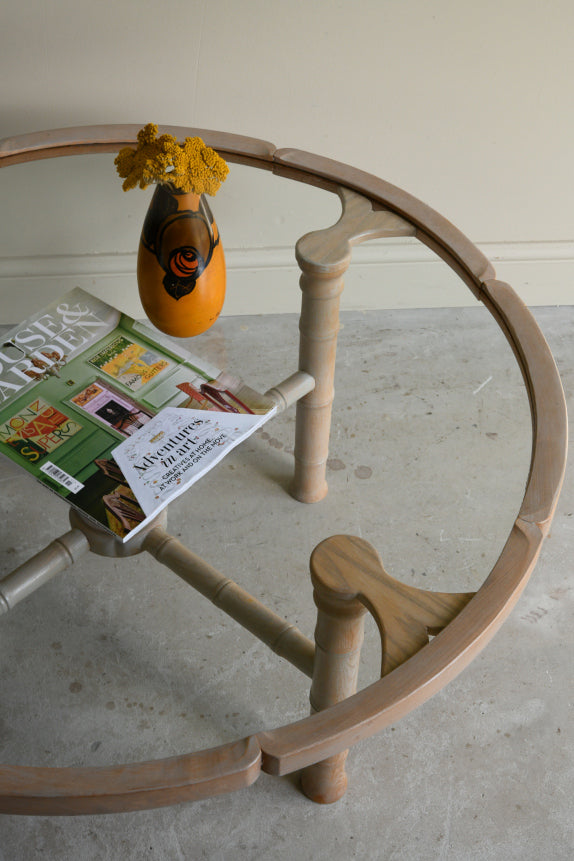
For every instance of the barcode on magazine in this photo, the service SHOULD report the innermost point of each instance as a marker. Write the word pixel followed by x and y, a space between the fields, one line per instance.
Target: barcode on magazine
pixel 61 477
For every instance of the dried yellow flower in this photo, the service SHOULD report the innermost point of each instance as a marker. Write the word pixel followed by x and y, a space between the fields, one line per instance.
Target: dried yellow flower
pixel 190 166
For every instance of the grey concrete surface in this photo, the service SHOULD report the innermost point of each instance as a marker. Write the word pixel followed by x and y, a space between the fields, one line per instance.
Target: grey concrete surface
pixel 120 661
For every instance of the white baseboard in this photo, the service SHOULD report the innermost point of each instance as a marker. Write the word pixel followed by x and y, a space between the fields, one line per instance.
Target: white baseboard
pixel 392 274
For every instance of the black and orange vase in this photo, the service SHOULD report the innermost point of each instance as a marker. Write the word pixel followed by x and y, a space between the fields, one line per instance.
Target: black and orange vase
pixel 181 265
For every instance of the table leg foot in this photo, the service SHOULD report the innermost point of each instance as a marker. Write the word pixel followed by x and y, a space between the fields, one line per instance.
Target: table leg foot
pixel 326 781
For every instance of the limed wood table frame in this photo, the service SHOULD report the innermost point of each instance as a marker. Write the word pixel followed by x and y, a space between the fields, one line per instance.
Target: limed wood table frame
pixel 347 574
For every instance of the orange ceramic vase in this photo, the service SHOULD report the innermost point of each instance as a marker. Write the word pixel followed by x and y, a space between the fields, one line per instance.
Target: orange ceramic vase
pixel 181 266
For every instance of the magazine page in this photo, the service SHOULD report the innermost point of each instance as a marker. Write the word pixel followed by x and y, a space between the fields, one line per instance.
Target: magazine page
pixel 79 379
pixel 176 448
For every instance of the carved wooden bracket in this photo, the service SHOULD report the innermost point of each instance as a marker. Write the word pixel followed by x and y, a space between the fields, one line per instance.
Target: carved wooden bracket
pixel 350 568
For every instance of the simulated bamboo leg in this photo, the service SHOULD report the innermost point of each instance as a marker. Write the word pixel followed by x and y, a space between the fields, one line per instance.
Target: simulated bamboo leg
pixel 348 577
pixel 338 640
pixel 291 390
pixel 282 638
pixel 324 257
pixel 319 325
pixel 29 576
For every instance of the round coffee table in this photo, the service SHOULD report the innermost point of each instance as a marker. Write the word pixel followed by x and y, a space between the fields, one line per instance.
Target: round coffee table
pixel 427 637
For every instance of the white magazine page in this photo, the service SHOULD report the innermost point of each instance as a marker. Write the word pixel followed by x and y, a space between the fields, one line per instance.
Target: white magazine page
pixel 175 448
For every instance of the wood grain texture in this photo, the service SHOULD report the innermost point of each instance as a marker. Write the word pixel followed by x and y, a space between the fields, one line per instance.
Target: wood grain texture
pixel 348 576
pixel 29 790
pixel 279 635
pixel 350 568
pixel 138 786
pixel 329 250
pixel 338 641
pixel 432 228
pixel 432 667
pixel 297 745
pixel 547 404
pixel 79 140
pixel 324 256
pixel 52 560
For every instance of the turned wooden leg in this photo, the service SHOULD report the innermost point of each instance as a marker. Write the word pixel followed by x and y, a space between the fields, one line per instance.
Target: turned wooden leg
pixel 318 326
pixel 324 257
pixel 52 560
pixel 338 640
pixel 348 576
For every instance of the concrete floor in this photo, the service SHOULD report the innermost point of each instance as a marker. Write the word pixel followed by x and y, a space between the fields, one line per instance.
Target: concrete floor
pixel 118 661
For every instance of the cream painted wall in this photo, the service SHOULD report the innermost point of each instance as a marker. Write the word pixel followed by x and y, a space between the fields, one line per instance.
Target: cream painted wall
pixel 466 105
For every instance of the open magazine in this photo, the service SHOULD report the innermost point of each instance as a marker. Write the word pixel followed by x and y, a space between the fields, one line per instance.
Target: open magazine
pixel 112 415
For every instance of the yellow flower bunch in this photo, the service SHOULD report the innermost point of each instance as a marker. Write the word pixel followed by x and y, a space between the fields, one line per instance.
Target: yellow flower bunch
pixel 190 166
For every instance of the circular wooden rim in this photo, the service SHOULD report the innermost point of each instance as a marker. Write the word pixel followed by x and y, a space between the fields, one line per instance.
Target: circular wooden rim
pixel 198 775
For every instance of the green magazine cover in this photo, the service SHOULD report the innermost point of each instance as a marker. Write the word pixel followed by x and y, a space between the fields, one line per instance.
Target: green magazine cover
pixel 113 416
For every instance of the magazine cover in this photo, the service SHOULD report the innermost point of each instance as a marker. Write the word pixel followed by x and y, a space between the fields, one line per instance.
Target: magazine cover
pixel 113 416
